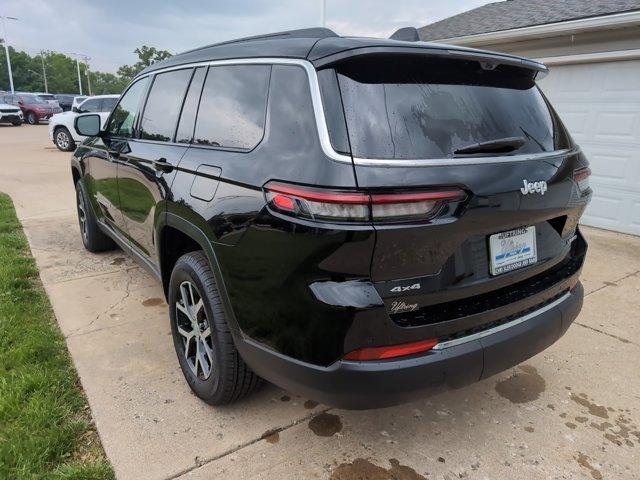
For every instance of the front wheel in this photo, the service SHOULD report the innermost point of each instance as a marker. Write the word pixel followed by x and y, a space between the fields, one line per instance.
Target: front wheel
pixel 63 140
pixel 17 123
pixel 94 239
pixel 32 118
pixel 207 355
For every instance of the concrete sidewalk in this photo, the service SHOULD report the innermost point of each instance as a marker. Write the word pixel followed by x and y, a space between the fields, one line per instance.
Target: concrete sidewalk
pixel 571 412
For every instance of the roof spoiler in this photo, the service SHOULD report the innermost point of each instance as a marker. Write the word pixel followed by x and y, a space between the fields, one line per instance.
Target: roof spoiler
pixel 406 34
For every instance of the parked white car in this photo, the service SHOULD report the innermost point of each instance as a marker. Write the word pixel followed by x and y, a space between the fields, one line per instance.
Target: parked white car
pixel 61 131
pixel 10 114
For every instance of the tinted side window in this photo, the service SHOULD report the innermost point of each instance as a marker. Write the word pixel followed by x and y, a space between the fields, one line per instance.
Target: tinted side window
pixel 108 104
pixel 190 108
pixel 90 105
pixel 163 105
pixel 123 117
pixel 233 106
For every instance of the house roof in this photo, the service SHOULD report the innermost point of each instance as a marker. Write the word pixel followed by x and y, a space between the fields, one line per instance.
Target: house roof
pixel 512 14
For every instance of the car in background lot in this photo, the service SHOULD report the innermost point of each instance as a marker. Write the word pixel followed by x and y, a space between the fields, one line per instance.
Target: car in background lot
pixel 10 114
pixel 50 99
pixel 65 101
pixel 34 109
pixel 61 131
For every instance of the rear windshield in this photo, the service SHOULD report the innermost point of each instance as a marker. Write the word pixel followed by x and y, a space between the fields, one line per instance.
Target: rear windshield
pixel 47 97
pixel 417 108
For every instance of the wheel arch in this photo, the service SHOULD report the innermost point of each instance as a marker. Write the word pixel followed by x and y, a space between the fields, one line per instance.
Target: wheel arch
pixel 178 236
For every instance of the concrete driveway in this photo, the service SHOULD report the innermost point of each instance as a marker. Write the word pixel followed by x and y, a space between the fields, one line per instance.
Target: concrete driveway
pixel 571 412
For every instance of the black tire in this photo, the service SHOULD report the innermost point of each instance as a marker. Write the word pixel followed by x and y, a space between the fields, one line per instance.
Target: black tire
pixel 94 239
pixel 32 118
pixel 17 123
pixel 63 139
pixel 230 378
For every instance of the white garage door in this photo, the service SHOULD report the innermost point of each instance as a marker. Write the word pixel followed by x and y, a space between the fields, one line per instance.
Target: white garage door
pixel 600 104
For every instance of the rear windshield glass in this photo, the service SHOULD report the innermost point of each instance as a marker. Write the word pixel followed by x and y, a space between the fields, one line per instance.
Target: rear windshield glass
pixel 399 108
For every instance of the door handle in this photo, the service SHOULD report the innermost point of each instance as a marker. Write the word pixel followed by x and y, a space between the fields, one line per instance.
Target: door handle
pixel 161 165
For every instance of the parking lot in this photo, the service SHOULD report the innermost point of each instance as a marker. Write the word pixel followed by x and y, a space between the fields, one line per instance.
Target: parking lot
pixel 571 412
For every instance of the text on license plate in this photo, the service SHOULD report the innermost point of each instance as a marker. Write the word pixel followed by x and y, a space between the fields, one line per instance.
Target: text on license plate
pixel 512 250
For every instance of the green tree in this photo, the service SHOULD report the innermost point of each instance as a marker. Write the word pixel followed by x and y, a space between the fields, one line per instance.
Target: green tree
pixel 147 56
pixel 107 83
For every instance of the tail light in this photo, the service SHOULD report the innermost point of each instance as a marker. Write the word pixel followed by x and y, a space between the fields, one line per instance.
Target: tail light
pixel 344 206
pixel 394 351
pixel 581 177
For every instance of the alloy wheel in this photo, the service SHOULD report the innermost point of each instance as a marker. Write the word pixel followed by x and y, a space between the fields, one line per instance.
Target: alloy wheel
pixel 62 139
pixel 82 214
pixel 194 328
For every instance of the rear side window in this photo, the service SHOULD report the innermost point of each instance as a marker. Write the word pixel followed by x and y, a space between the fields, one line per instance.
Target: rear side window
pixel 163 105
pixel 190 107
pixel 421 109
pixel 123 118
pixel 233 106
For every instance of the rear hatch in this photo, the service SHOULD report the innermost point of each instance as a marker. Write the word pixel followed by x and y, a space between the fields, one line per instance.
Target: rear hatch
pixel 417 124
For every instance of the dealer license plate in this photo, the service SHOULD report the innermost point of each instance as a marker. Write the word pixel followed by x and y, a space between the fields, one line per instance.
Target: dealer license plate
pixel 512 250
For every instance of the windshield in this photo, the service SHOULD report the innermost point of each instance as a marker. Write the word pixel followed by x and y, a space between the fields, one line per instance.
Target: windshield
pixel 31 99
pixel 429 109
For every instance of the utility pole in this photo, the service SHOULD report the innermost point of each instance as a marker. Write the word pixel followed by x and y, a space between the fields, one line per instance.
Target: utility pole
pixel 86 72
pixel 44 72
pixel 323 9
pixel 79 79
pixel 6 49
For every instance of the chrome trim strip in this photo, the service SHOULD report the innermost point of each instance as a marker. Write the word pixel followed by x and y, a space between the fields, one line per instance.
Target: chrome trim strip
pixel 314 87
pixel 499 328
pixel 323 132
pixel 443 162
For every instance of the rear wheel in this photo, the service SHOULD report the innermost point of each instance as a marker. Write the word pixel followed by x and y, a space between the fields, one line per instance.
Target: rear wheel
pixel 94 239
pixel 32 118
pixel 208 357
pixel 63 140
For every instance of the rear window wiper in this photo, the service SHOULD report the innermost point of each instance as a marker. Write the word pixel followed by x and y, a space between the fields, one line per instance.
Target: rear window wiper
pixel 499 145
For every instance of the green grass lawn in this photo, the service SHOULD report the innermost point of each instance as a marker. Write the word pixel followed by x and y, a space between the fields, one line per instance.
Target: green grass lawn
pixel 45 422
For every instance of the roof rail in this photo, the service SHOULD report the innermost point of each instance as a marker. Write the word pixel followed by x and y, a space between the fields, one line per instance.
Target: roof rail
pixel 406 34
pixel 316 32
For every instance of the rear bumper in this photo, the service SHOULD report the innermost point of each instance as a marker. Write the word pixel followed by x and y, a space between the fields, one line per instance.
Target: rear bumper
pixel 360 385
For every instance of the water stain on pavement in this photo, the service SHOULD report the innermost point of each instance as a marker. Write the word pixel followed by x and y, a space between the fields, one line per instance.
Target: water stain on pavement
pixel 285 398
pixel 529 429
pixel 272 438
pixel 361 469
pixel 310 404
pixel 118 261
pixel 594 409
pixel 522 387
pixel 152 302
pixel 583 461
pixel 325 424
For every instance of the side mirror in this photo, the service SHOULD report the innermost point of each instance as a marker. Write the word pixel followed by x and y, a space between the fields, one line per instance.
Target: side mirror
pixel 76 109
pixel 87 125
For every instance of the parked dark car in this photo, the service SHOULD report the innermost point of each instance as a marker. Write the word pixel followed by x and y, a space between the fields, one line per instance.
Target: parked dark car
pixel 34 109
pixel 65 101
pixel 360 221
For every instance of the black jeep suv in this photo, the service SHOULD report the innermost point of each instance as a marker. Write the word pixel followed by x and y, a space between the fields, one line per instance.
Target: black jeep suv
pixel 357 220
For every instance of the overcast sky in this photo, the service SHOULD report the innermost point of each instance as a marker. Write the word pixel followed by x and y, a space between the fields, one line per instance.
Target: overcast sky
pixel 109 30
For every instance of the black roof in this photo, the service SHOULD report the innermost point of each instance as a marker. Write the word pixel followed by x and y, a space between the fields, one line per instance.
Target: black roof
pixel 511 14
pixel 313 44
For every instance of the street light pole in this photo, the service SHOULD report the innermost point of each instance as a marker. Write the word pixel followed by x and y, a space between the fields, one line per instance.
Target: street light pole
pixel 6 50
pixel 323 9
pixel 44 72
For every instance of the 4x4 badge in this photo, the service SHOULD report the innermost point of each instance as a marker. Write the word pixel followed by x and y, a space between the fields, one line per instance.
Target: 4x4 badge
pixel 534 187
pixel 406 288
